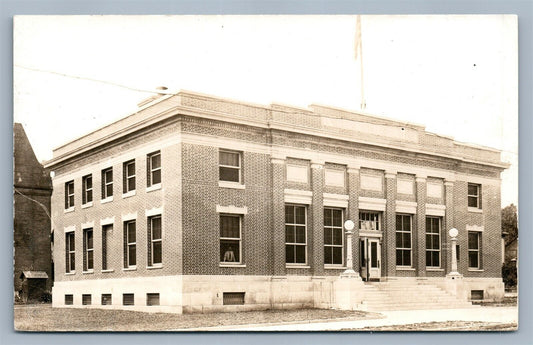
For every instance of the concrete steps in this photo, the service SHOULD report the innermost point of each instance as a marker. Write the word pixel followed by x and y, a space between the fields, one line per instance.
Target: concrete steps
pixel 408 295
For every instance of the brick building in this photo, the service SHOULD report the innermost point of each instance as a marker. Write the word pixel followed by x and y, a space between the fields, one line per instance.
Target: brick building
pixel 197 203
pixel 31 236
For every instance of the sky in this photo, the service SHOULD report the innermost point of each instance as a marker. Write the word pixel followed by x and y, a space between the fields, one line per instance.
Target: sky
pixel 456 75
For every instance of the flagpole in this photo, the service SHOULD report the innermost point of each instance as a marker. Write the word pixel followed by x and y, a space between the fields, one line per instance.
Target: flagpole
pixel 360 46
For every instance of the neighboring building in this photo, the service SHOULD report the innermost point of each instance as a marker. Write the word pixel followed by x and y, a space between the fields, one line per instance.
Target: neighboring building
pixel 31 195
pixel 196 203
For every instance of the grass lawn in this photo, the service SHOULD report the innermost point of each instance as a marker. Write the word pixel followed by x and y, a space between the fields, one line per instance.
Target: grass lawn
pixel 39 317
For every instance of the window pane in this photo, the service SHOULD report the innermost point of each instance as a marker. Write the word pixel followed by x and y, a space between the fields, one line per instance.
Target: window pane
pixel 398 257
pixel 156 252
pixel 71 242
pixel 300 234
pixel 473 259
pixel 337 217
pixel 328 236
pixel 337 236
pixel 337 255
pixel 229 227
pixel 90 260
pixel 90 196
pixel 156 177
pixel 472 189
pixel 109 176
pixel 327 217
pixel 289 233
pixel 300 254
pixel 72 261
pixel 289 214
pixel 131 183
pixel 71 200
pixel 428 241
pixel 407 258
pixel 131 232
pixel 428 224
pixel 89 239
pixel 229 158
pixel 472 240
pixel 328 256
pixel 300 215
pixel 472 201
pixel 132 255
pixel 398 222
pixel 109 190
pixel 398 240
pixel 435 259
pixel 89 182
pixel 226 248
pixel 406 223
pixel 229 174
pixel 374 254
pixel 156 161
pixel 289 254
pixel 71 188
pixel 131 169
pixel 428 259
pixel 156 228
pixel 406 240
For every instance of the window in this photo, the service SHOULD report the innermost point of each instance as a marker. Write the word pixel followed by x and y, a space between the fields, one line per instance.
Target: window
pixel 369 221
pixel 474 195
pixel 106 299
pixel 128 176
pixel 333 236
pixel 130 250
pixel 107 183
pixel 88 250
pixel 69 194
pixel 86 299
pixel 403 240
pixel 153 163
pixel 107 232
pixel 154 241
pixel 229 166
pixel 295 234
pixel 69 299
pixel 152 299
pixel 474 249
pixel 233 298
pixel 87 185
pixel 230 238
pixel 70 252
pixel 433 241
pixel 128 299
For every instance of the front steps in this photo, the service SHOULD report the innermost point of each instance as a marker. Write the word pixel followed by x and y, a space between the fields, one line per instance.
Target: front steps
pixel 408 295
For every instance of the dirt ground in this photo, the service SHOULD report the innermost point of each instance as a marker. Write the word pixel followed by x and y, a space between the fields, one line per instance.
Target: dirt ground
pixel 41 317
pixel 445 326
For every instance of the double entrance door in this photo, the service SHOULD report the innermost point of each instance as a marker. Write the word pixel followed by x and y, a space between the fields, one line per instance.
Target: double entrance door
pixel 370 258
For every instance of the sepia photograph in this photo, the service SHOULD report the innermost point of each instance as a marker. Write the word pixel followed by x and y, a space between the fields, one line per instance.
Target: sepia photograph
pixel 265 173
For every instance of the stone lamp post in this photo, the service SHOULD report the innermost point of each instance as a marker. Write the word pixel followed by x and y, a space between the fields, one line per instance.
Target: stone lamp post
pixel 453 234
pixel 454 280
pixel 349 272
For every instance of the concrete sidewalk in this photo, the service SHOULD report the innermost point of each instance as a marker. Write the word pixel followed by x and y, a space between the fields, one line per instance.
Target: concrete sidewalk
pixel 391 318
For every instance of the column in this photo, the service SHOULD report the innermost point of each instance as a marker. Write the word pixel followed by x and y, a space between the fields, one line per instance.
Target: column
pixel 420 249
pixel 448 224
pixel 388 247
pixel 317 226
pixel 353 212
pixel 278 216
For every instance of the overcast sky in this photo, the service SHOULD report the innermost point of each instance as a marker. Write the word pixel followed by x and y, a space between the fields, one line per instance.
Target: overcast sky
pixel 456 75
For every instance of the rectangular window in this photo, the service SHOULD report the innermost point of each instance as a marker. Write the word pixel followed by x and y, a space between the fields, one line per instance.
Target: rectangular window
pixel 230 239
pixel 107 183
pixel 69 194
pixel 86 299
pixel 229 166
pixel 70 251
pixel 128 176
pixel 87 186
pixel 233 298
pixel 107 232
pixel 403 240
pixel 154 241
pixel 295 234
pixel 333 236
pixel 433 225
pixel 153 164
pixel 88 250
pixel 474 249
pixel 128 299
pixel 369 221
pixel 474 195
pixel 152 299
pixel 106 299
pixel 130 250
pixel 69 299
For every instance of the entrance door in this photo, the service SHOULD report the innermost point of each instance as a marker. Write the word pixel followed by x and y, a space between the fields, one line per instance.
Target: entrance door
pixel 374 259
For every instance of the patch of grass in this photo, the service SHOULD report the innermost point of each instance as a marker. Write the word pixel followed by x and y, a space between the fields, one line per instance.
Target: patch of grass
pixel 45 318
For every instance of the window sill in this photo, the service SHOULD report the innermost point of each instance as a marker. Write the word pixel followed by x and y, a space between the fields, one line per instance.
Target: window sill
pixel 296 266
pixel 231 265
pixel 153 187
pixel 70 273
pixel 87 272
pixel 108 271
pixel 70 209
pixel 434 269
pixel 154 267
pixel 128 194
pixel 131 268
pixel 228 184
pixel 334 267
pixel 475 210
pixel 404 268
pixel 106 200
pixel 87 205
pixel 476 270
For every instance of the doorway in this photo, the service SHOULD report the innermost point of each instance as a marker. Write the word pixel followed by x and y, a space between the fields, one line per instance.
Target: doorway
pixel 370 258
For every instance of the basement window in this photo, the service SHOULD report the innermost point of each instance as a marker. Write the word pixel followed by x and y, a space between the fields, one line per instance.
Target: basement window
pixel 86 299
pixel 69 299
pixel 233 298
pixel 152 299
pixel 127 299
pixel 106 299
pixel 476 295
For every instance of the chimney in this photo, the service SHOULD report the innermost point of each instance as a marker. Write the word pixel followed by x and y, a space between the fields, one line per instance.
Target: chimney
pixel 160 90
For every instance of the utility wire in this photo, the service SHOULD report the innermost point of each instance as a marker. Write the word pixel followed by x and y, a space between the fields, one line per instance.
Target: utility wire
pixel 37 202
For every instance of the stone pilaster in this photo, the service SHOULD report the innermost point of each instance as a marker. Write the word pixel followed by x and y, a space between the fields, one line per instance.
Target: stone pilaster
pixel 420 248
pixel 353 212
pixel 317 226
pixel 447 225
pixel 278 216
pixel 388 249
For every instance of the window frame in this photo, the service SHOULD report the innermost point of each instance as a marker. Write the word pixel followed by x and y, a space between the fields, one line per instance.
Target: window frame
pixel 402 231
pixel 333 228
pixel 238 168
pixel 69 196
pixel 106 233
pixel 151 170
pixel 433 234
pixel 477 196
pixel 88 252
pixel 239 239
pixel 476 250
pixel 296 244
pixel 106 183
pixel 126 178
pixel 87 193
pixel 152 241
pixel 128 244
pixel 70 252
